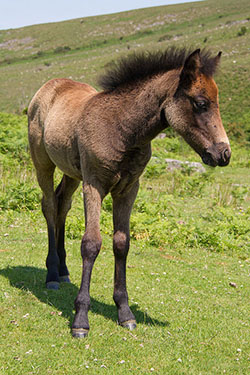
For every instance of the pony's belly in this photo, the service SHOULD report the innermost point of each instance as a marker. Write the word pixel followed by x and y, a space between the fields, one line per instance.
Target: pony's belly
pixel 67 168
pixel 63 152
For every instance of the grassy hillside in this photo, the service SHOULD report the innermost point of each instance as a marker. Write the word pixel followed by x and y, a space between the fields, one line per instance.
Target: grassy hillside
pixel 81 48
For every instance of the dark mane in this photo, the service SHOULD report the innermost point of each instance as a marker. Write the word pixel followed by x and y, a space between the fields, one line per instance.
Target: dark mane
pixel 138 66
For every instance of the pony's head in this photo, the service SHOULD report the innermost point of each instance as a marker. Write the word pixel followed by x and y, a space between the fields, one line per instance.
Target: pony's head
pixel 193 109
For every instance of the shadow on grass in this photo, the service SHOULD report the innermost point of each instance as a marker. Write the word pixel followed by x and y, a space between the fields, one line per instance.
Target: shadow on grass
pixel 32 280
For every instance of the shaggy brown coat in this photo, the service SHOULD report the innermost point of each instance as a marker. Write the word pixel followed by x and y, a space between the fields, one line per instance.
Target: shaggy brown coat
pixel 104 139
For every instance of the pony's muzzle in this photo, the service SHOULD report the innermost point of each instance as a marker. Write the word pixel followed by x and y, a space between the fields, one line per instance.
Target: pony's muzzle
pixel 217 154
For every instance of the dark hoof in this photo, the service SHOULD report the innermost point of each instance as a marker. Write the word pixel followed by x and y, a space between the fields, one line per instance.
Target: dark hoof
pixel 64 279
pixel 54 285
pixel 80 333
pixel 130 324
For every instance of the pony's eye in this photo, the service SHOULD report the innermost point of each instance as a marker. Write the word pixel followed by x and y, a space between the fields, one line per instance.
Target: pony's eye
pixel 200 105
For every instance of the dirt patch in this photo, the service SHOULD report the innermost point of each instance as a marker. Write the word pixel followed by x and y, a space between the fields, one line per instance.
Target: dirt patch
pixel 171 257
pixel 17 44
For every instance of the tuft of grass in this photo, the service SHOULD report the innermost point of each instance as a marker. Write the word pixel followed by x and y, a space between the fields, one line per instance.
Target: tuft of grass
pixel 242 31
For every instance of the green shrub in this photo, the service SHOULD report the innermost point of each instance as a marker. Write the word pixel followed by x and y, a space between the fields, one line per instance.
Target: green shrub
pixel 62 49
pixel 242 31
pixel 75 227
pixel 20 196
pixel 13 136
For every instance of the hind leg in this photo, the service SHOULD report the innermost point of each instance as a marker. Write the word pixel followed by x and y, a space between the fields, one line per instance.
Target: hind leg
pixel 63 193
pixel 45 180
pixel 45 171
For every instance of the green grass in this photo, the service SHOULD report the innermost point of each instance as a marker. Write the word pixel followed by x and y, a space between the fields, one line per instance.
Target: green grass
pixel 190 320
pixel 189 262
pixel 190 240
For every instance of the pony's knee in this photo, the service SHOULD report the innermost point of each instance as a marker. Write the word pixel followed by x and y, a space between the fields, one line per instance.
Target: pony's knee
pixel 48 209
pixel 120 244
pixel 90 246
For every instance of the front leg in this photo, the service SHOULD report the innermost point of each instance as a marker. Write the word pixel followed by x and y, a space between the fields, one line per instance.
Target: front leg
pixel 91 244
pixel 122 206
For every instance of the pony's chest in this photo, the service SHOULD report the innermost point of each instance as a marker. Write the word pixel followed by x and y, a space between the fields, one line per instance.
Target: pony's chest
pixel 130 168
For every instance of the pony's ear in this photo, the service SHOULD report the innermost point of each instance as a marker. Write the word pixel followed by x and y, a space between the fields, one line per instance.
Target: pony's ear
pixel 192 62
pixel 217 59
pixel 190 69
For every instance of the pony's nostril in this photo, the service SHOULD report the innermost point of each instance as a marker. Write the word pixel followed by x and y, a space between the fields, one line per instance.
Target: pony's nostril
pixel 225 157
pixel 226 154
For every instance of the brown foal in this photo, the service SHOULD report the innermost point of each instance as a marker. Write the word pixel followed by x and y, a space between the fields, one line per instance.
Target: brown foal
pixel 104 139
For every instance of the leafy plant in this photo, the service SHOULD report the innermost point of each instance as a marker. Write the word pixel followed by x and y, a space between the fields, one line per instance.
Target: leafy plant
pixel 242 31
pixel 20 196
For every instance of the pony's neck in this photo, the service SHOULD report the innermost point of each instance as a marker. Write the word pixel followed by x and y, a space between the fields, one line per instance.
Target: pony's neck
pixel 141 115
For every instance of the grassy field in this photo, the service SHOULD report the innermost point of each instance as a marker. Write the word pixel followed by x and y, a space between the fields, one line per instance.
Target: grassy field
pixel 188 272
pixel 189 263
